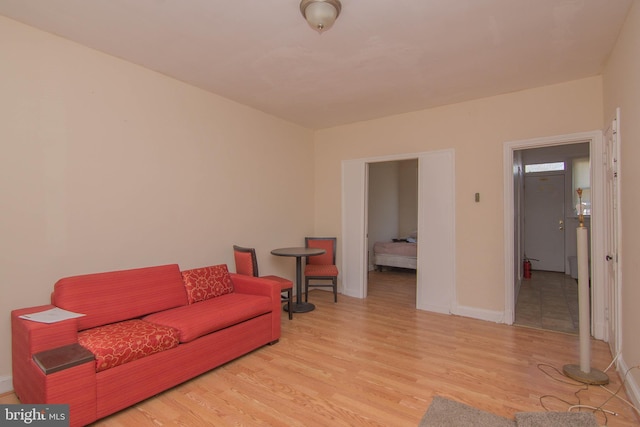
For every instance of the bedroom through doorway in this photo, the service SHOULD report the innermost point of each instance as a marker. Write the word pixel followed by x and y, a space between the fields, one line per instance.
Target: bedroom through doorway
pixel 392 224
pixel 435 277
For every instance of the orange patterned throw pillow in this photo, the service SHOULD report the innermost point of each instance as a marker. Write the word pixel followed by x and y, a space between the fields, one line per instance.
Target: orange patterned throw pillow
pixel 207 282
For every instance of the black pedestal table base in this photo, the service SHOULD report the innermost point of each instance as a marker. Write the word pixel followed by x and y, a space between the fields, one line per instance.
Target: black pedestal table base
pixel 302 307
pixel 298 306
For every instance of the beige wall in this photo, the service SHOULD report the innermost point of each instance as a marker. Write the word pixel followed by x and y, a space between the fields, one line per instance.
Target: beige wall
pixel 106 165
pixel 383 209
pixel 621 82
pixel 477 132
pixel 408 197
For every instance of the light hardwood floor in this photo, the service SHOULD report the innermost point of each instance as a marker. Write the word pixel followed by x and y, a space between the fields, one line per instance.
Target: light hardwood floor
pixel 379 362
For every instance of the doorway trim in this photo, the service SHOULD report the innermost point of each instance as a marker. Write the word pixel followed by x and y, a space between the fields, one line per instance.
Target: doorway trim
pixel 435 275
pixel 595 140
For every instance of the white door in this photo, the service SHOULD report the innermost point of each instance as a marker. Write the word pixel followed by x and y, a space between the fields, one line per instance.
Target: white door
pixel 544 221
pixel 354 266
pixel 611 166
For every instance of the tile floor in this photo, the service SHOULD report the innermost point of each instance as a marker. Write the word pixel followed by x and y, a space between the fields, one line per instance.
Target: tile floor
pixel 548 300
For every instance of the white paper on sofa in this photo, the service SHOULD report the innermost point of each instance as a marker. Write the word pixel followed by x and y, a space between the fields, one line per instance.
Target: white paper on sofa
pixel 52 315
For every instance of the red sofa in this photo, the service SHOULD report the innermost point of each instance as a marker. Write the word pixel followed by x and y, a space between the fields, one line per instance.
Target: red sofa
pixel 149 329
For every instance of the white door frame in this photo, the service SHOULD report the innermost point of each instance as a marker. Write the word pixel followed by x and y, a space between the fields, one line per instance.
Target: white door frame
pixel 436 228
pixel 595 140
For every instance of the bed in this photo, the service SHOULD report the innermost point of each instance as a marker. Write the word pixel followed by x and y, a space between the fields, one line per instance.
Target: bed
pixel 400 253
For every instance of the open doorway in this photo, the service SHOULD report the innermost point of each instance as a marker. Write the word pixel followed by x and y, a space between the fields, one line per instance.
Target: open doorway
pixel 513 224
pixel 435 275
pixel 547 295
pixel 392 229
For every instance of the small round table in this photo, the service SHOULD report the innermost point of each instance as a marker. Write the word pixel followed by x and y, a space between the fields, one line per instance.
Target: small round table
pixel 299 252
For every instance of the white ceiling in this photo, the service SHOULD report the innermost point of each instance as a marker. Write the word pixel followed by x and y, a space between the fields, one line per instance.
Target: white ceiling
pixel 382 57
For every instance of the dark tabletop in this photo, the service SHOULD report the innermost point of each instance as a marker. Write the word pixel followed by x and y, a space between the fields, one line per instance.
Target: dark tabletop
pixel 298 251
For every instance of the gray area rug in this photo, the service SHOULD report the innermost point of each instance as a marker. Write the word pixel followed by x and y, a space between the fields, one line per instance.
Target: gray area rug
pixel 445 412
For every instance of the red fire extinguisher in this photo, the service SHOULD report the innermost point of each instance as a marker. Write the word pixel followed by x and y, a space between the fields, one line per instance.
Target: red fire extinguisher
pixel 527 269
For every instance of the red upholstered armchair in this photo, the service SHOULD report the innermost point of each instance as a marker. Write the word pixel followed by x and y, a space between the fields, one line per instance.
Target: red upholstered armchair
pixel 247 264
pixel 321 267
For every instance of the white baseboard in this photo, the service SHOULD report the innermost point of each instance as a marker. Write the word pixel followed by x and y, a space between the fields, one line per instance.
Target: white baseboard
pixel 6 384
pixel 435 309
pixel 631 385
pixel 471 312
pixel 479 313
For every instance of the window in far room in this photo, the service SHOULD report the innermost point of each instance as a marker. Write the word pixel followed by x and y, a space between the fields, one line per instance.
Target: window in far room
pixel 544 167
pixel 582 179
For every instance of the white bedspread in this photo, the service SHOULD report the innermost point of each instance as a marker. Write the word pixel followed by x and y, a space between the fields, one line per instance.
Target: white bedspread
pixel 396 248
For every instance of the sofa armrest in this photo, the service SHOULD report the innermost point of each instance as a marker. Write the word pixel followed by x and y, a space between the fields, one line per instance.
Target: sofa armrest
pixel 35 337
pixel 29 337
pixel 255 285
pixel 259 286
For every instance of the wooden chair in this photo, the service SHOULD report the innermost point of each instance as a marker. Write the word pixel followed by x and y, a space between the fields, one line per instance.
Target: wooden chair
pixel 247 264
pixel 321 267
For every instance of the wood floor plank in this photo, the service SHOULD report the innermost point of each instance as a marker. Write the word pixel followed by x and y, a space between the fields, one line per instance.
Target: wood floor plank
pixel 379 362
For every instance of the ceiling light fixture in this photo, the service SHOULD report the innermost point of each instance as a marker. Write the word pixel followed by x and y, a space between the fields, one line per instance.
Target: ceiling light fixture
pixel 320 14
